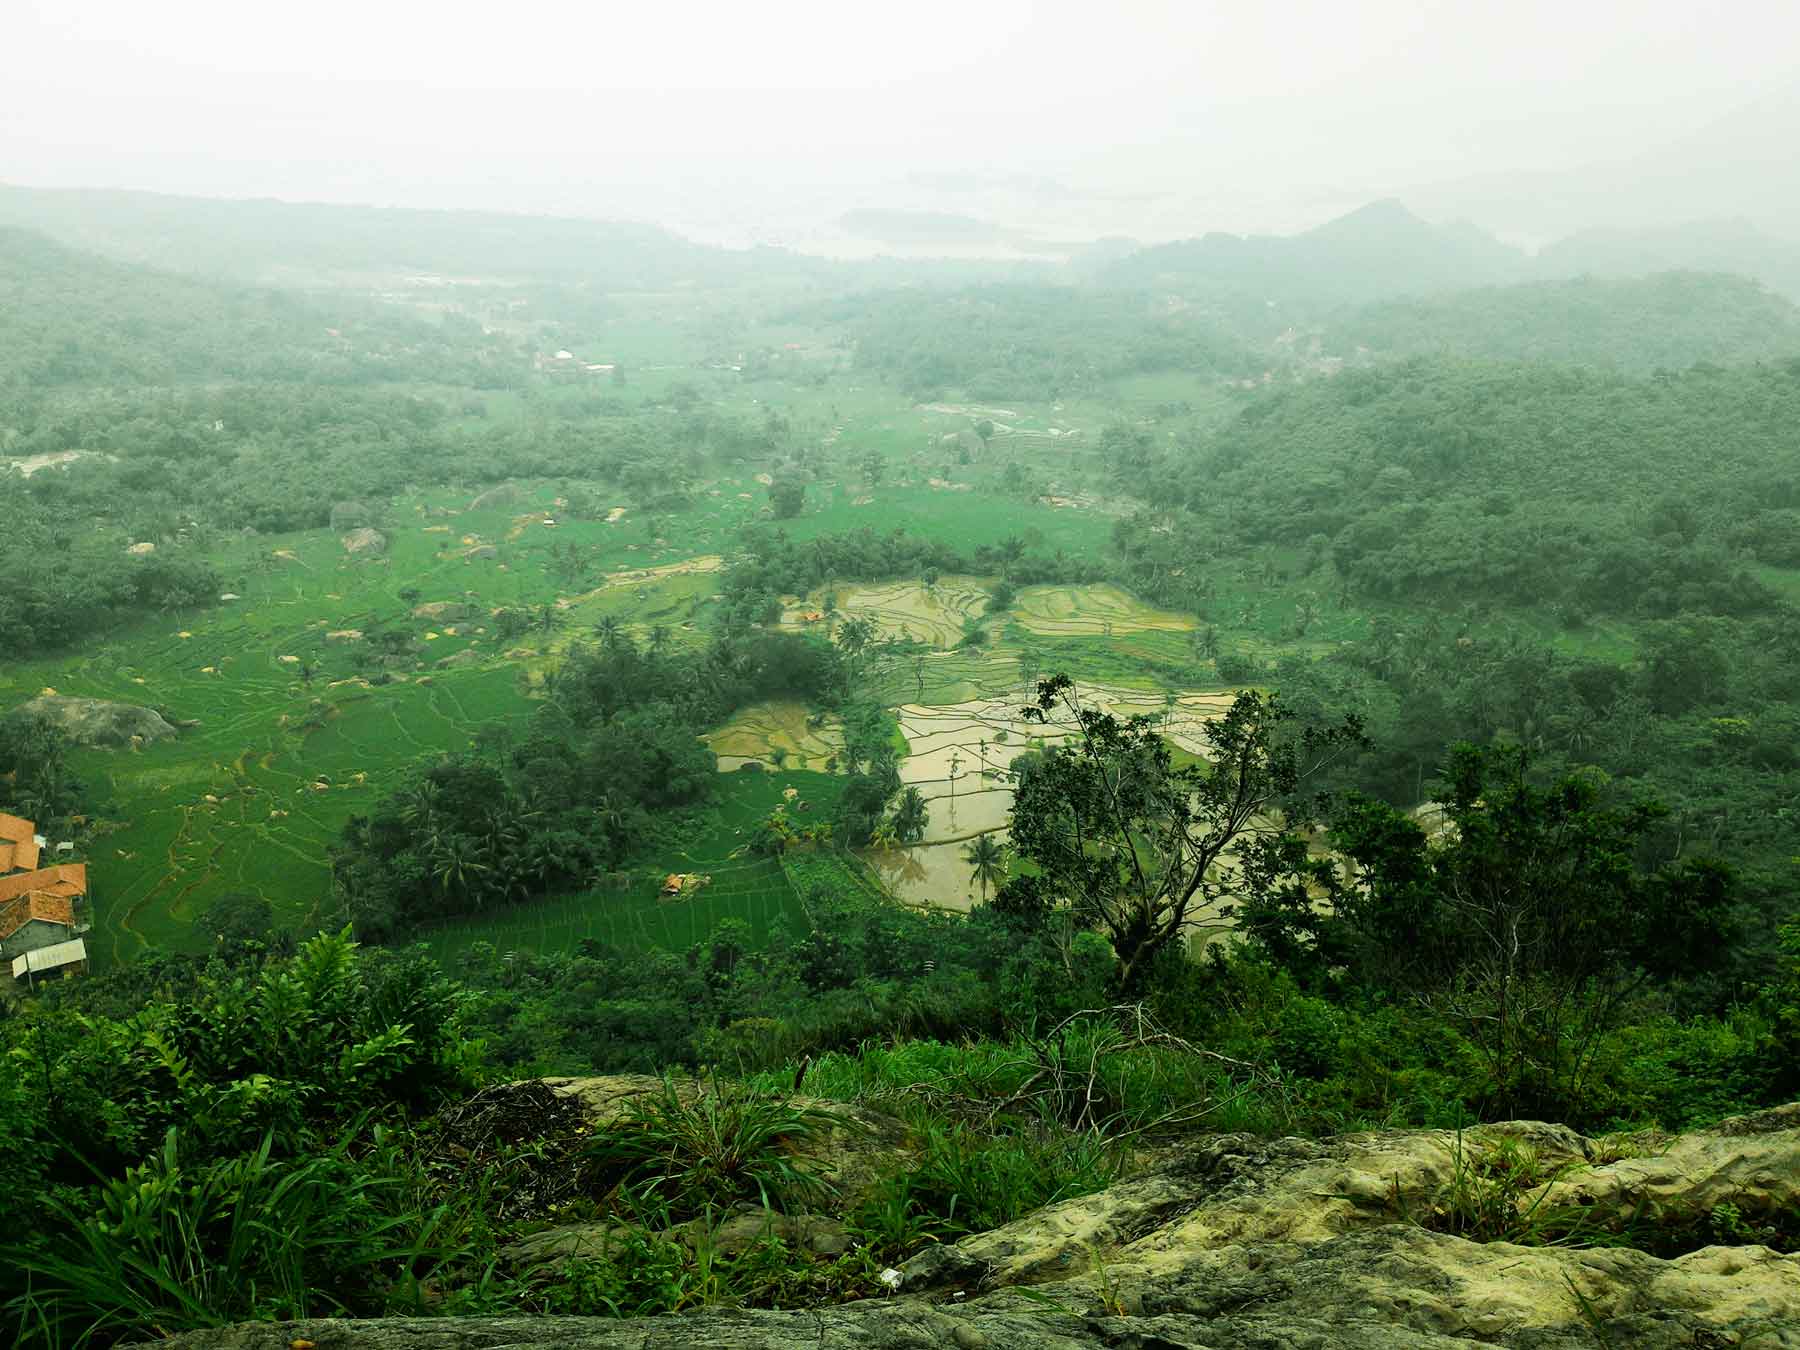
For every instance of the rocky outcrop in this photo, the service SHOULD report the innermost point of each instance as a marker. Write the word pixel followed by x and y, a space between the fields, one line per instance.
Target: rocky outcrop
pixel 1233 1241
pixel 366 541
pixel 98 722
pixel 350 516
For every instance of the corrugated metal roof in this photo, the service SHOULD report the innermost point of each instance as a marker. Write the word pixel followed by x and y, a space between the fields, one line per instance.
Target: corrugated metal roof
pixel 53 957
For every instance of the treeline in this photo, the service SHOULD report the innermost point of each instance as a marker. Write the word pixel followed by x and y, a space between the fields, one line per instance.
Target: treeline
pixel 610 763
pixel 178 469
pixel 1039 342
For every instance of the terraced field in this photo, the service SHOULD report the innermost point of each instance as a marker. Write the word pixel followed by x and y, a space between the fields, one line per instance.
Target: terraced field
pixel 758 891
pixel 1101 610
pixel 294 729
pixel 776 733
pixel 905 610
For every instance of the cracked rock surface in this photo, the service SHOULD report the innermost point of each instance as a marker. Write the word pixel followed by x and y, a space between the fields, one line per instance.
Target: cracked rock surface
pixel 1236 1242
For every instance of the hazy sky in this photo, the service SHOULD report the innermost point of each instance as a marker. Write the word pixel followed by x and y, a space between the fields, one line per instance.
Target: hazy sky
pixel 1244 111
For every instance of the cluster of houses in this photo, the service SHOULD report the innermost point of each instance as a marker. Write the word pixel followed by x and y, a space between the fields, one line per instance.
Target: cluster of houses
pixel 40 923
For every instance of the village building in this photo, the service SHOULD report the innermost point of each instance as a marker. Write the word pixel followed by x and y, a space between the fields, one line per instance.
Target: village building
pixel 55 962
pixel 38 904
pixel 20 844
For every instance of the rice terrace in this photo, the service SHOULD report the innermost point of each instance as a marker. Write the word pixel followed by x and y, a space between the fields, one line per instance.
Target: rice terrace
pixel 289 728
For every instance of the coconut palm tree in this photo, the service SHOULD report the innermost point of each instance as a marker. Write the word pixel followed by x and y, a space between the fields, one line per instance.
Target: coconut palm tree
pixel 458 862
pixel 659 639
pixel 911 816
pixel 987 862
pixel 610 631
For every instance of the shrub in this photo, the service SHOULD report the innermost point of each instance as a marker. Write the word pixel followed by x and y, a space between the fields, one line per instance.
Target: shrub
pixel 709 1151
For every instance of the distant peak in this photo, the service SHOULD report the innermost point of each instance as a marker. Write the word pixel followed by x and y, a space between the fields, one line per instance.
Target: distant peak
pixel 1385 214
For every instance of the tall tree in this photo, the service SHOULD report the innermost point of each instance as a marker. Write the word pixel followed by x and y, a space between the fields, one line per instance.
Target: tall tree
pixel 1139 848
pixel 987 862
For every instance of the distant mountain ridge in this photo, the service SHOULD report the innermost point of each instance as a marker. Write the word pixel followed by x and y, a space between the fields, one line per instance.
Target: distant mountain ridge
pixel 1384 251
pixel 267 240
pixel 1374 252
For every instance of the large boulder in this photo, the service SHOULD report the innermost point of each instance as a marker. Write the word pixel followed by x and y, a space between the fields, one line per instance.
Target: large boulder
pixel 365 541
pixel 97 722
pixel 350 516
pixel 1288 1244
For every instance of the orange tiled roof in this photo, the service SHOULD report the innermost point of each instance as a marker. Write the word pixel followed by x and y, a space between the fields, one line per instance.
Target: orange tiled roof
pixel 16 913
pixel 65 879
pixel 18 843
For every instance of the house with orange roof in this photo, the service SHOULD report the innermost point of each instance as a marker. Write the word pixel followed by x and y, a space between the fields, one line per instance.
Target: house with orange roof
pixel 18 844
pixel 37 908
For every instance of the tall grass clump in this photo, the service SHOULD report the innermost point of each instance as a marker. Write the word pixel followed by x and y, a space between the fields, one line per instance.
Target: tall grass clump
pixel 170 1247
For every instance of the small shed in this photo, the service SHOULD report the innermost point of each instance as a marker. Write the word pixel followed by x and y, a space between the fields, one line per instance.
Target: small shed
pixel 55 962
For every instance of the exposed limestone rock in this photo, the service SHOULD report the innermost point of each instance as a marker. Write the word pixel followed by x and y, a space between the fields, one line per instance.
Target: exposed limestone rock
pixel 95 721
pixel 1234 1241
pixel 481 551
pixel 371 542
pixel 468 656
pixel 141 550
pixel 345 635
pixel 350 516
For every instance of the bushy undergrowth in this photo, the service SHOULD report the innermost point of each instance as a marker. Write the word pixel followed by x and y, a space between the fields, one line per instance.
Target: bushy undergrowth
pixel 283 1135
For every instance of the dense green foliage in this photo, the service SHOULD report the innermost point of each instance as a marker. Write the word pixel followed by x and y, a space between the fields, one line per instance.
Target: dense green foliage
pixel 610 761
pixel 1034 342
pixel 1531 557
pixel 1669 321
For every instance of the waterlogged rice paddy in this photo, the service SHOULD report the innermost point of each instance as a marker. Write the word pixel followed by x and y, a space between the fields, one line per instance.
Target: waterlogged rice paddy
pixel 959 757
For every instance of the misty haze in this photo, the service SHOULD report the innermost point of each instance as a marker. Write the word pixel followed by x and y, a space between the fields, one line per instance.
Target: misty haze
pixel 1000 675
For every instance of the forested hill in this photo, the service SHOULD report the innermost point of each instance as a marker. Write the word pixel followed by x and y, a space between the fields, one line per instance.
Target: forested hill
pixel 273 241
pixel 1520 484
pixel 1670 320
pixel 1376 251
pixel 1035 341
pixel 69 318
pixel 1702 245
